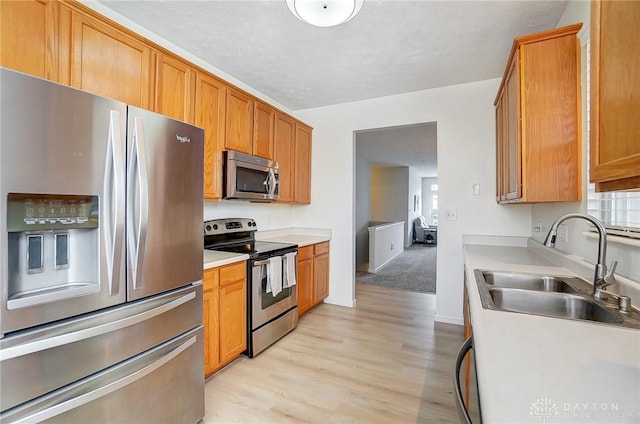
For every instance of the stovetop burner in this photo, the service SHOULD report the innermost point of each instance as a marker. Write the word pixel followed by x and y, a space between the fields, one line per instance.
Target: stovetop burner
pixel 238 235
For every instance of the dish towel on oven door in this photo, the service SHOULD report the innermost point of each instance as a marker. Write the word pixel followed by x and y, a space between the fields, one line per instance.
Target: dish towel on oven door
pixel 289 270
pixel 274 275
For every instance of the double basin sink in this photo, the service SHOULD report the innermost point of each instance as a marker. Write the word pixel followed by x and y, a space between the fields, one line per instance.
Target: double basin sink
pixel 549 295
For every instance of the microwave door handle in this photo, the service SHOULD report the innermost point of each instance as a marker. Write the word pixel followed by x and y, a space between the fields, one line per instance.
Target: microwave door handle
pixel 272 182
pixel 266 183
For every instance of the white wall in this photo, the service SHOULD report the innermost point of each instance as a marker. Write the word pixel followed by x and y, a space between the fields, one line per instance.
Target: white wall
pixel 466 155
pixel 363 212
pixel 627 256
pixel 389 191
pixel 385 243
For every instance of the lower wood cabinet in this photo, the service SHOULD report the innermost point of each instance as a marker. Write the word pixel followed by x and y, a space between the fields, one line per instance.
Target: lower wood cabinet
pixel 224 315
pixel 313 276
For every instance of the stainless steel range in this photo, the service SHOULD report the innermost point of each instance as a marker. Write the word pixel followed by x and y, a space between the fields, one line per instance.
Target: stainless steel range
pixel 272 305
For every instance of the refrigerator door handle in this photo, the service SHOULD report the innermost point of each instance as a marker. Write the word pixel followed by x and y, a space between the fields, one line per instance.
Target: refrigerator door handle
pixel 137 235
pixel 113 205
pixel 87 333
pixel 89 396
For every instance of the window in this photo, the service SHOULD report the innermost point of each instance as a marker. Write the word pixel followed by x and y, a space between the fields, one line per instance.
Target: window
pixel 434 204
pixel 618 211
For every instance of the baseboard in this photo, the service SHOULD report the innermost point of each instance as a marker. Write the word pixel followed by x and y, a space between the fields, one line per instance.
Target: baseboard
pixel 373 271
pixel 449 320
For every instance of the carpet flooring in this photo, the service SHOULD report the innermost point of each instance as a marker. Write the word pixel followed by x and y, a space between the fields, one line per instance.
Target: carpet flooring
pixel 414 269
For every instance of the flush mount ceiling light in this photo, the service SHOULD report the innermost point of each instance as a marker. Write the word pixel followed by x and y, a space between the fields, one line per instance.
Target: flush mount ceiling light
pixel 325 13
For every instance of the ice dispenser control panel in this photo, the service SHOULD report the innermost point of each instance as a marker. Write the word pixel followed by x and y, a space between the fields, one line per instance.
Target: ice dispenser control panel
pixel 37 212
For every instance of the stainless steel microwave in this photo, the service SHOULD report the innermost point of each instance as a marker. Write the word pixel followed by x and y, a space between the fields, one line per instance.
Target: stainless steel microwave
pixel 250 177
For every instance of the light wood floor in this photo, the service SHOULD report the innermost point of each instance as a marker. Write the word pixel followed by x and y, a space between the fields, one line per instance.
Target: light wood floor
pixel 385 361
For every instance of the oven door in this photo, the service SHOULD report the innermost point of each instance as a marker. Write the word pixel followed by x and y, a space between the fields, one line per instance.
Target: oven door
pixel 265 306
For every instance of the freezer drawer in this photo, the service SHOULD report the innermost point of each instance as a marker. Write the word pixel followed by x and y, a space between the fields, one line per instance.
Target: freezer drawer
pixel 163 385
pixel 37 361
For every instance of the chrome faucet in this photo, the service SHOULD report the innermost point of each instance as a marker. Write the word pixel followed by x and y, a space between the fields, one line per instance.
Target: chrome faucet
pixel 601 278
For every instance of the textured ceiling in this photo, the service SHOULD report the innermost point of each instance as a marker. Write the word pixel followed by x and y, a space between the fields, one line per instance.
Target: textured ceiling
pixel 408 145
pixel 390 47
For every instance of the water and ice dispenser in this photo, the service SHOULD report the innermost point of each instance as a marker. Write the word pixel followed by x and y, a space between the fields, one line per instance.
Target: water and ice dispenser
pixel 53 247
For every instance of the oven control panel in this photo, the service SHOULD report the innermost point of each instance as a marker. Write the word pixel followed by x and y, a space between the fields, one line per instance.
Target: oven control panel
pixel 229 225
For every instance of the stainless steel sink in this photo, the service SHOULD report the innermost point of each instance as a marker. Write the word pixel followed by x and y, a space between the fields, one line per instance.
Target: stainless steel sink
pixel 550 295
pixel 561 305
pixel 528 281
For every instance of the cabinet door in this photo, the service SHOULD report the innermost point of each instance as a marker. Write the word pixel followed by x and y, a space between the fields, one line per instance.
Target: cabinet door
pixel 239 122
pixel 512 145
pixel 29 42
pixel 305 285
pixel 108 62
pixel 284 146
pixel 175 87
pixel 321 277
pixel 302 166
pixel 233 320
pixel 209 115
pixel 500 157
pixel 210 321
pixel 615 95
pixel 263 130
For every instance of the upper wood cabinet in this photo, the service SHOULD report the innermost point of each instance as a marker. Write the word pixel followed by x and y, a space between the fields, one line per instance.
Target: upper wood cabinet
pixel 302 165
pixel 104 60
pixel 615 95
pixel 210 115
pixel 264 117
pixel 29 38
pixel 284 147
pixel 68 42
pixel 239 122
pixel 175 88
pixel 538 120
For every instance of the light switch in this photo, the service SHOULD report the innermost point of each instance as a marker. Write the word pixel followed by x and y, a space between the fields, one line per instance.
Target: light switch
pixel 475 189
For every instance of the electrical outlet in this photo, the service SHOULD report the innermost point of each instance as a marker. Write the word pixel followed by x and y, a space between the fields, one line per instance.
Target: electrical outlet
pixel 452 214
pixel 563 234
pixel 538 228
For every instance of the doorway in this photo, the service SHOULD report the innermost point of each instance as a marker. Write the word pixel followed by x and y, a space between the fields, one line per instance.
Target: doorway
pixel 396 182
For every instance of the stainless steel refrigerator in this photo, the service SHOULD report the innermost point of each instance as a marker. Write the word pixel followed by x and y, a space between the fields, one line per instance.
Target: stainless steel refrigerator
pixel 101 259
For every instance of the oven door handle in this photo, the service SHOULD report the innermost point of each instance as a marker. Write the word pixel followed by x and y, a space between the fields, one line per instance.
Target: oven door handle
pixel 266 261
pixel 260 263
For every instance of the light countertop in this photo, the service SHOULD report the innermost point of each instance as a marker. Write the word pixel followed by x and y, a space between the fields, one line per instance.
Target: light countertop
pixel 214 258
pixel 582 371
pixel 300 236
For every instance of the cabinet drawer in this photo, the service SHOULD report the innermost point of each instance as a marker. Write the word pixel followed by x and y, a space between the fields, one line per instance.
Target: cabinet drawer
pixel 210 279
pixel 234 272
pixel 321 248
pixel 305 252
